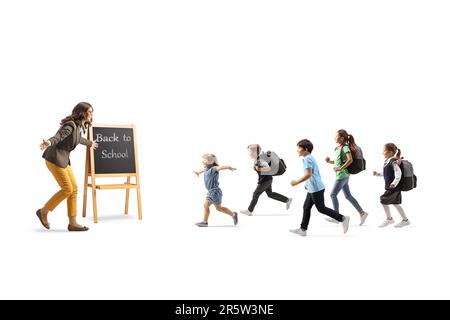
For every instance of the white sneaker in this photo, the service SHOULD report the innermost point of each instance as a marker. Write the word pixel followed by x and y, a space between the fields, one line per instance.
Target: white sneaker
pixel 363 218
pixel 299 231
pixel 246 212
pixel 386 223
pixel 346 224
pixel 331 220
pixel 402 223
pixel 288 204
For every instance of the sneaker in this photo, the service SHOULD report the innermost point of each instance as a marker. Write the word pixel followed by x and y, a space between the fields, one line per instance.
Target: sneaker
pixel 331 220
pixel 363 217
pixel 299 231
pixel 346 223
pixel 288 203
pixel 246 212
pixel 402 223
pixel 386 223
pixel 202 224
pixel 235 218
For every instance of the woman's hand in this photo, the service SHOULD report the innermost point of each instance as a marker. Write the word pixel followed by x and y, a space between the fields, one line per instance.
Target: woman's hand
pixel 94 144
pixel 327 159
pixel 44 145
pixel 392 186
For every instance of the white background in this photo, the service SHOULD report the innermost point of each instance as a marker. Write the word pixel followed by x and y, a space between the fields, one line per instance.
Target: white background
pixel 215 76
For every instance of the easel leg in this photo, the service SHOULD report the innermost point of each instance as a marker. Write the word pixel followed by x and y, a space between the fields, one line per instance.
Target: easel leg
pixel 94 202
pixel 127 197
pixel 84 200
pixel 86 180
pixel 138 190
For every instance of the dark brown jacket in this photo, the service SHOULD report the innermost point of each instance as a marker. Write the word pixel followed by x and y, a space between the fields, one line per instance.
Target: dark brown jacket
pixel 63 142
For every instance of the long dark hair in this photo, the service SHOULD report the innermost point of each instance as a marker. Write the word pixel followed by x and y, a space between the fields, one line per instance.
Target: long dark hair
pixel 77 115
pixel 393 148
pixel 348 139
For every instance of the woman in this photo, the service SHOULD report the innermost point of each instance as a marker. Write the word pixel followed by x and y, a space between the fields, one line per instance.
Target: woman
pixel 56 155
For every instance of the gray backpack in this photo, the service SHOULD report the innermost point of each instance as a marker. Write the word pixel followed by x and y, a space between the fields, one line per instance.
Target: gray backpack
pixel 277 165
pixel 409 179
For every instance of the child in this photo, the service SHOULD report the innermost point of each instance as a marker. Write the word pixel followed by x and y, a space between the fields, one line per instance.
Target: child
pixel 392 176
pixel 214 196
pixel 343 159
pixel 264 181
pixel 316 190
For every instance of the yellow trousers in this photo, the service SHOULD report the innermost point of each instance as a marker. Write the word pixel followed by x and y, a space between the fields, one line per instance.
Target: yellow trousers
pixel 69 189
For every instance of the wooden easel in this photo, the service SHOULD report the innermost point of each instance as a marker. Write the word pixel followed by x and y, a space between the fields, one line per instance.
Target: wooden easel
pixel 90 172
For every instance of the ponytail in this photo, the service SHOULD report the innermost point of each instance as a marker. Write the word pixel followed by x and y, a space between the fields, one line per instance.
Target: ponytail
pixel 351 142
pixel 393 148
pixel 348 139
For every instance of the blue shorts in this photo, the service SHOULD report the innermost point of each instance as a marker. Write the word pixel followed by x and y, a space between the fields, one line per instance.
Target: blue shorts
pixel 215 196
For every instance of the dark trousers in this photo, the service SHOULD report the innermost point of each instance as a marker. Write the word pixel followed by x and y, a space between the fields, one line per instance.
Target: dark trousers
pixel 317 199
pixel 265 186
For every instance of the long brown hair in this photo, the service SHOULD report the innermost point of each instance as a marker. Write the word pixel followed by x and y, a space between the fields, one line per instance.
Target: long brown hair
pixel 348 139
pixel 393 148
pixel 78 114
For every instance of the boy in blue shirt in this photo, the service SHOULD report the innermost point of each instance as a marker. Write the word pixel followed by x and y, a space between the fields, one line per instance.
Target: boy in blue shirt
pixel 315 188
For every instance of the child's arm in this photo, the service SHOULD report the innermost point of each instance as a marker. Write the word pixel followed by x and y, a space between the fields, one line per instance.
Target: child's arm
pixel 328 160
pixel 262 166
pixel 199 172
pixel 346 164
pixel 302 179
pixel 398 175
pixel 377 174
pixel 219 168
pixel 262 169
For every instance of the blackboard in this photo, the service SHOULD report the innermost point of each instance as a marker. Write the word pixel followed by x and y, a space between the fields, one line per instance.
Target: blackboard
pixel 116 152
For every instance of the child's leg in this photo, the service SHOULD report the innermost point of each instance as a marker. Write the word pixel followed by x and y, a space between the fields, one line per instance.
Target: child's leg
pixel 401 211
pixel 319 202
pixel 349 197
pixel 206 210
pixel 338 185
pixel 307 206
pixel 274 195
pixel 387 210
pixel 224 210
pixel 257 193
